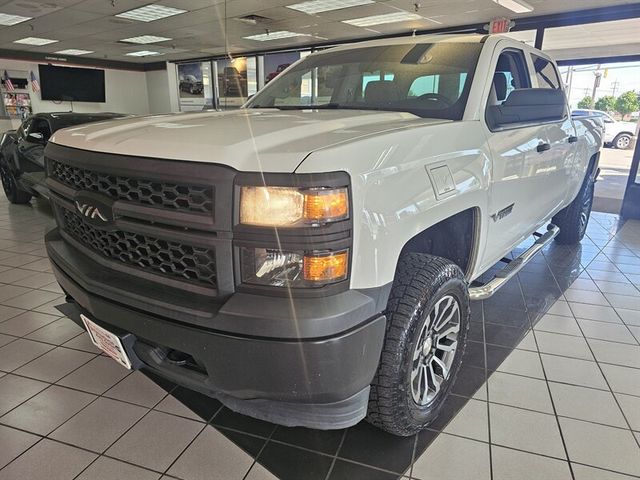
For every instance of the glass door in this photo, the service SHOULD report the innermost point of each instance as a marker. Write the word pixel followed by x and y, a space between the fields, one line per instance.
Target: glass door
pixel 631 202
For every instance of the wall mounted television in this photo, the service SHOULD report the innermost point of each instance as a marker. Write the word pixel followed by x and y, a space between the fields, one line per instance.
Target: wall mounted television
pixel 71 84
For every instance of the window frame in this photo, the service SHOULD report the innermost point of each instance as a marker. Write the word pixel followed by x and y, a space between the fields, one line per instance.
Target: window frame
pixel 534 72
pixel 528 67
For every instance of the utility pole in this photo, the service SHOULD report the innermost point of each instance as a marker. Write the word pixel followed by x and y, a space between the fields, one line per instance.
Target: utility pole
pixel 596 83
pixel 615 86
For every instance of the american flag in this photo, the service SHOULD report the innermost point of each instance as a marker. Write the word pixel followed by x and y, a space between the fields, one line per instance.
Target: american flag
pixel 35 85
pixel 8 84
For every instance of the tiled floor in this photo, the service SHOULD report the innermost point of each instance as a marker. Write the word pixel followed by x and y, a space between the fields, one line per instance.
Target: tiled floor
pixel 550 387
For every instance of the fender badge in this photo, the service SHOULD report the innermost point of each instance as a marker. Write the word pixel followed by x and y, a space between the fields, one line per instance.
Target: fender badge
pixel 503 213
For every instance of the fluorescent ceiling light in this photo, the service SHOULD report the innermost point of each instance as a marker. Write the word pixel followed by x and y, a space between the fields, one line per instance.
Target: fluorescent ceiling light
pixel 35 41
pixel 144 53
pixel 518 6
pixel 149 13
pixel 6 19
pixel 74 51
pixel 319 6
pixel 382 19
pixel 263 37
pixel 143 39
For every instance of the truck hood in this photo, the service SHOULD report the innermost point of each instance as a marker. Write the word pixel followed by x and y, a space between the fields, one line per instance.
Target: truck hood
pixel 247 140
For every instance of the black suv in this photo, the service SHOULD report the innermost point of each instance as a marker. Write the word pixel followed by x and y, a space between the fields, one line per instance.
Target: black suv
pixel 22 152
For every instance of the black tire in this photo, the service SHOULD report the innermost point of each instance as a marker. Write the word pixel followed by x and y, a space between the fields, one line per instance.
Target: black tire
pixel 574 219
pixel 422 282
pixel 623 141
pixel 11 187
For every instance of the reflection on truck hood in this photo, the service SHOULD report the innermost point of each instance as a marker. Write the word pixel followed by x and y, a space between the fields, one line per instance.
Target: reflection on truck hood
pixel 248 140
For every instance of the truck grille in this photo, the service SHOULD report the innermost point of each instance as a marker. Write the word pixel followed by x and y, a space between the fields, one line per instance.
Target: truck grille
pixel 192 198
pixel 172 259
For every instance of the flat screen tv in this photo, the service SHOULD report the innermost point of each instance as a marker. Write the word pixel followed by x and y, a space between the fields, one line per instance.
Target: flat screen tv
pixel 71 84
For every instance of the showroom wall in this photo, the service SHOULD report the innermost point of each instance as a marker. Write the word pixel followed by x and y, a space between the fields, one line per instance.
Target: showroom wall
pixel 158 96
pixel 126 91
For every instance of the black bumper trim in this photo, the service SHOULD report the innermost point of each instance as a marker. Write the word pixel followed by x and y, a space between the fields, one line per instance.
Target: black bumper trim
pixel 321 383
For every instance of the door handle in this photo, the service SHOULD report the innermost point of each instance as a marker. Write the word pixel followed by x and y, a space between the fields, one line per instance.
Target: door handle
pixel 572 139
pixel 543 147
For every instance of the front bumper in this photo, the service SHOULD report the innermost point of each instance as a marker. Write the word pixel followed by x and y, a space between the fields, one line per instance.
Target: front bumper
pixel 318 378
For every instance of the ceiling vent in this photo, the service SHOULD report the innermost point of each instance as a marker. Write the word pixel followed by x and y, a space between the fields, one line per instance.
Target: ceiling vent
pixel 253 19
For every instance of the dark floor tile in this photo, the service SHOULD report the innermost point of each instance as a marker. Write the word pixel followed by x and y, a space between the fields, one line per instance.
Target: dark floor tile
pixel 277 458
pixel 343 470
pixel 325 441
pixel 476 332
pixel 474 354
pixel 468 381
pixel 203 406
pixel 496 355
pixel 423 440
pixel 367 444
pixel 250 444
pixel 505 316
pixel 476 312
pixel 230 419
pixel 504 335
pixel 451 406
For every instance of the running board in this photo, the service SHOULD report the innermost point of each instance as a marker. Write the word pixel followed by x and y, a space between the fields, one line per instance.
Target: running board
pixel 514 266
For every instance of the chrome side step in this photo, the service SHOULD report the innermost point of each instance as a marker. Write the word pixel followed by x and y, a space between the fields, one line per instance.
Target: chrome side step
pixel 514 266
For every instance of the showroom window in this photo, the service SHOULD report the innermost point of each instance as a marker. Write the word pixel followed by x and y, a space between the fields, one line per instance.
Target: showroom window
pixel 545 73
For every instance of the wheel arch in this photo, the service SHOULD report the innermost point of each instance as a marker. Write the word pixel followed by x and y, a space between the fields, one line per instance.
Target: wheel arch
pixel 454 238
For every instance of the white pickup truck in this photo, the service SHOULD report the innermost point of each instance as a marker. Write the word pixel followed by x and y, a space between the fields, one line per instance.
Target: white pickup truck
pixel 617 134
pixel 310 259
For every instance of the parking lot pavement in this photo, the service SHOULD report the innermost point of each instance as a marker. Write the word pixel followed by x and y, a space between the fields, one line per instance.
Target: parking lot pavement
pixel 614 171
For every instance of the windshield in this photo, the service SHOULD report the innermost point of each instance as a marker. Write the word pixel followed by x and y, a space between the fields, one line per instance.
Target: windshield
pixel 429 80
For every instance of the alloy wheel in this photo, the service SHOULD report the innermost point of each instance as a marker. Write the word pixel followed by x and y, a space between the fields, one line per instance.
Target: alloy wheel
pixel 585 211
pixel 7 181
pixel 435 350
pixel 623 143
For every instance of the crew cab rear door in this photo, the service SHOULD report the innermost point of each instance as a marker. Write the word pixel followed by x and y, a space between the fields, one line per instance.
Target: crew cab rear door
pixel 562 139
pixel 525 182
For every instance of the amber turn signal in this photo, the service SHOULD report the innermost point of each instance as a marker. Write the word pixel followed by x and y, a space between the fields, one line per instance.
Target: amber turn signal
pixel 326 205
pixel 332 267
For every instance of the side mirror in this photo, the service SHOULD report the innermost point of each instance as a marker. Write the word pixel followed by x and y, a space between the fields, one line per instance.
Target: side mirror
pixel 528 105
pixel 36 137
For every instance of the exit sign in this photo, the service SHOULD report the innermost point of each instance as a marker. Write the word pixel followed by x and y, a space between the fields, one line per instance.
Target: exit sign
pixel 499 25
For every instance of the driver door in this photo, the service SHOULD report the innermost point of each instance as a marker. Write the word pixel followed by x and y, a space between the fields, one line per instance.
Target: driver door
pixel 520 158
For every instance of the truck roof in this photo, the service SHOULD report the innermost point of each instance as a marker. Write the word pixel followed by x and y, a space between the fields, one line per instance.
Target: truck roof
pixel 431 38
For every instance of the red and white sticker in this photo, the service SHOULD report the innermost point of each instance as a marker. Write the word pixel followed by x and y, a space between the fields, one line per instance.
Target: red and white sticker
pixel 108 342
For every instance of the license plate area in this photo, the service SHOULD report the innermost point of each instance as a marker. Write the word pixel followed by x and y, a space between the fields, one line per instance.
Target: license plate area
pixel 108 342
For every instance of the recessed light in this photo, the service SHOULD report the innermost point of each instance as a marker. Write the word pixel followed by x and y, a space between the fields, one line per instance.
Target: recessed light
pixel 518 6
pixel 264 37
pixel 319 6
pixel 6 19
pixel 382 19
pixel 143 39
pixel 144 53
pixel 35 41
pixel 74 51
pixel 152 12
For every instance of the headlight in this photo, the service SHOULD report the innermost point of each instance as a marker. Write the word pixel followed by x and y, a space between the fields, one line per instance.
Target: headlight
pixel 290 207
pixel 272 267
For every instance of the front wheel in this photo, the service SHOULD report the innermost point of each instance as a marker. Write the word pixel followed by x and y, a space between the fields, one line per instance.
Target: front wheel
pixel 427 324
pixel 11 188
pixel 574 219
pixel 622 141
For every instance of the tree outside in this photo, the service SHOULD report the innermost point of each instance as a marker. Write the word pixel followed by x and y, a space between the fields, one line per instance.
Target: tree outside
pixel 627 103
pixel 606 103
pixel 585 103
